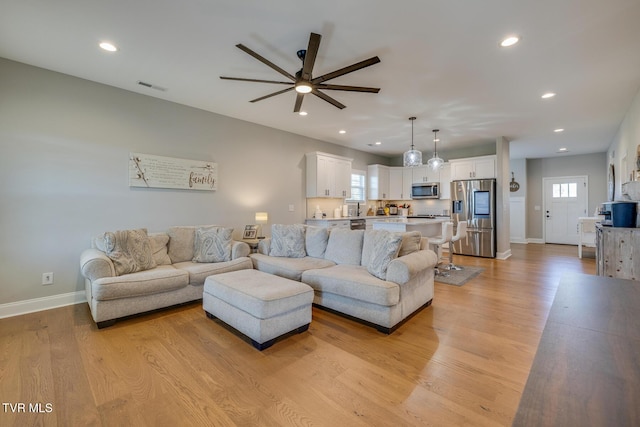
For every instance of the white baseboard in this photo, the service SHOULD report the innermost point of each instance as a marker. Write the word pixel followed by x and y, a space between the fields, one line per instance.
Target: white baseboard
pixel 538 241
pixel 39 304
pixel 523 241
pixel 503 255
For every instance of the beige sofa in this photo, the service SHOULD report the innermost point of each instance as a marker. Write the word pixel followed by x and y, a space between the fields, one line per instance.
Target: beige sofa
pixel 165 269
pixel 366 275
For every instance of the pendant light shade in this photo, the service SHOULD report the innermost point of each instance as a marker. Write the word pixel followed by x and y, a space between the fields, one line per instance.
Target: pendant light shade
pixel 412 157
pixel 435 162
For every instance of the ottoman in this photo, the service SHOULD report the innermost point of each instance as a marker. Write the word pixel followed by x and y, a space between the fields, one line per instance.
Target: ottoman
pixel 259 305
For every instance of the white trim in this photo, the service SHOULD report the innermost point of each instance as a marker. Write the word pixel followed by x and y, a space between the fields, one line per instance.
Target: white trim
pixel 537 241
pixel 523 241
pixel 39 304
pixel 544 198
pixel 503 255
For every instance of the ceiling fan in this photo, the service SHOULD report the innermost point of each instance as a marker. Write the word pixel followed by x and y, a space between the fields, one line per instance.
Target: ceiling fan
pixel 303 82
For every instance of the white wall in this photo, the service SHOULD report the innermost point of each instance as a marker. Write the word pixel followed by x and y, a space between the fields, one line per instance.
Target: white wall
pixel 623 152
pixel 65 143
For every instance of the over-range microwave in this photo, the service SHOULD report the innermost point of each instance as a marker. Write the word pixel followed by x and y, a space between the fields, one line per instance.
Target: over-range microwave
pixel 427 190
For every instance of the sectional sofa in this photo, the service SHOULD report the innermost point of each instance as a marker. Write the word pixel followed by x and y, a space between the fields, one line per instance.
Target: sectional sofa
pixel 375 276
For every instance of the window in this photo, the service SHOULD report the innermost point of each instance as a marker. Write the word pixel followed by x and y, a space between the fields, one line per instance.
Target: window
pixel 565 190
pixel 358 186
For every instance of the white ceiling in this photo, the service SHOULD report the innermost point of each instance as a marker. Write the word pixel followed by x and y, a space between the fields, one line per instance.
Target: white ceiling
pixel 440 62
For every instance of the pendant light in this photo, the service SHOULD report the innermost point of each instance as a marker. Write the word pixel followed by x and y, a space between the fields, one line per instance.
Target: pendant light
pixel 412 157
pixel 435 162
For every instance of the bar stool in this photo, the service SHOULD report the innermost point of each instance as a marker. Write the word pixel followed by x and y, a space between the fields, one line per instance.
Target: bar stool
pixel 438 242
pixel 460 233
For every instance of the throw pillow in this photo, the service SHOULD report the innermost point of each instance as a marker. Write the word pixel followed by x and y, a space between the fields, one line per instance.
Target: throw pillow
pixel 316 239
pixel 386 246
pixel 287 241
pixel 159 248
pixel 345 246
pixel 410 243
pixel 212 244
pixel 130 250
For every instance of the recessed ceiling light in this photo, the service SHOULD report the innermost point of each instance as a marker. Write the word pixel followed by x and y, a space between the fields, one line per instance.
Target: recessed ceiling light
pixel 558 130
pixel 108 47
pixel 378 143
pixel 342 131
pixel 303 113
pixel 563 150
pixel 548 95
pixel 509 41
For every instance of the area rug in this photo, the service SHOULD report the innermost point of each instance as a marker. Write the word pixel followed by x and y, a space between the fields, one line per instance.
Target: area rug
pixel 459 277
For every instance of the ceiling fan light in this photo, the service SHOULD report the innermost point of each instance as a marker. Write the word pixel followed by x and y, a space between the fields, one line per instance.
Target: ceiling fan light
pixel 303 87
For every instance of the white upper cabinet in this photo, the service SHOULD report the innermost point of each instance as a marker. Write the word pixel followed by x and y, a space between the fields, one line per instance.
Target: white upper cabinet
pixel 424 174
pixel 378 182
pixel 400 180
pixel 328 175
pixel 445 181
pixel 473 168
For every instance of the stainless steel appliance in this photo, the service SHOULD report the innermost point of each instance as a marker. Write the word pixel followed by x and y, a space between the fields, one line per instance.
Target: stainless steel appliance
pixel 474 201
pixel 426 190
pixel 358 224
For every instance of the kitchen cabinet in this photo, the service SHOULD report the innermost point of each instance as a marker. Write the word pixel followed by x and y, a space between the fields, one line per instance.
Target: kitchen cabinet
pixel 445 181
pixel 473 168
pixel 378 182
pixel 329 223
pixel 423 174
pixel 328 175
pixel 400 180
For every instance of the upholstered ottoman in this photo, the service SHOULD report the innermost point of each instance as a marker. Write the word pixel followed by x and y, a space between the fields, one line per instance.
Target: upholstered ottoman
pixel 260 305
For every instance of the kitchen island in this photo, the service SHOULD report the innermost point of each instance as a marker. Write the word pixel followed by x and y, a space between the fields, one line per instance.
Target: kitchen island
pixel 428 227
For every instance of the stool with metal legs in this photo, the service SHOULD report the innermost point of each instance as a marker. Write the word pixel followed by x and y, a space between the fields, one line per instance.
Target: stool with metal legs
pixel 438 242
pixel 460 233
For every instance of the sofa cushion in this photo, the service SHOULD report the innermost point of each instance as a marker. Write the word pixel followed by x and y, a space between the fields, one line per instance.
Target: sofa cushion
pixel 287 241
pixel 163 278
pixel 316 239
pixel 198 271
pixel 130 250
pixel 380 246
pixel 410 243
pixel 353 281
pixel 290 268
pixel 182 242
pixel 212 244
pixel 345 246
pixel 159 248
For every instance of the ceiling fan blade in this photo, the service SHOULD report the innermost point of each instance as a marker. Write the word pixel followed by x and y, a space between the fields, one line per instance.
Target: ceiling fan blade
pixel 329 99
pixel 299 98
pixel 255 80
pixel 265 61
pixel 349 88
pixel 272 94
pixel 346 70
pixel 310 56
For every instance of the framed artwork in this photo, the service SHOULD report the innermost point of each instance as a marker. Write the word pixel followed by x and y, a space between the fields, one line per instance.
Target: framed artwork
pixel 250 231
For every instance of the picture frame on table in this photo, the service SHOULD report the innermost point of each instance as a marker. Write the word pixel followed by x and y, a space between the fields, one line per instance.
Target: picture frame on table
pixel 250 231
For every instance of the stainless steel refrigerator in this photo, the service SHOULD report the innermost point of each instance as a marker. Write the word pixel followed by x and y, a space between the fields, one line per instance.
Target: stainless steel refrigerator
pixel 474 202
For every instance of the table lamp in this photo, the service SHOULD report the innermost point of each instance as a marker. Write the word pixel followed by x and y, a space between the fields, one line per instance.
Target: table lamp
pixel 261 218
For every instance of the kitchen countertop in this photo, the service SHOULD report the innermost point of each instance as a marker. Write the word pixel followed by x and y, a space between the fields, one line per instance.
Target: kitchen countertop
pixel 394 218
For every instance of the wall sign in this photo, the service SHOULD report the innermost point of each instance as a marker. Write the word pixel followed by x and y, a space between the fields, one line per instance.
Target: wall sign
pixel 147 170
pixel 513 185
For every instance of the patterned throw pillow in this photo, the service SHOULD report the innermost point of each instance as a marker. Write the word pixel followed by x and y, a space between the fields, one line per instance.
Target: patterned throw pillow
pixel 385 247
pixel 130 250
pixel 212 244
pixel 287 241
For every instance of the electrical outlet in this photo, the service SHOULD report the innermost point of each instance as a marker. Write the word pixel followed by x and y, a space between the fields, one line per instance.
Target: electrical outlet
pixel 47 278
pixel 291 208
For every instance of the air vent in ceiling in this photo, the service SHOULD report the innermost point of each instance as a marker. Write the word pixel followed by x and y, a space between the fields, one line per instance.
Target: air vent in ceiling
pixel 152 86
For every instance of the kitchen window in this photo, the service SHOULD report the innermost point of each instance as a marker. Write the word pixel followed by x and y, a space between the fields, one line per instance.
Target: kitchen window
pixel 358 186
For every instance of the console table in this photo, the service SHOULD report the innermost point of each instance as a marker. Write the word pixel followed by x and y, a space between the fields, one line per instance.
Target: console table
pixel 586 371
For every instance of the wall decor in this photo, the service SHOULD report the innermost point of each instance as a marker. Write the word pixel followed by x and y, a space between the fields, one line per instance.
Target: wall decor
pixel 513 185
pixel 147 170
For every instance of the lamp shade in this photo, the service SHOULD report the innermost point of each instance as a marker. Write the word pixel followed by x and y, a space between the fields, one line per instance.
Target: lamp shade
pixel 262 217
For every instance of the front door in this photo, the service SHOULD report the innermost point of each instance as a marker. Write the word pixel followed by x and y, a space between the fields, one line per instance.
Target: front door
pixel 565 200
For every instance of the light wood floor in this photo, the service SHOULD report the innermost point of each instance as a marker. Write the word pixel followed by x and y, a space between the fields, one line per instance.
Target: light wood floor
pixel 462 361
